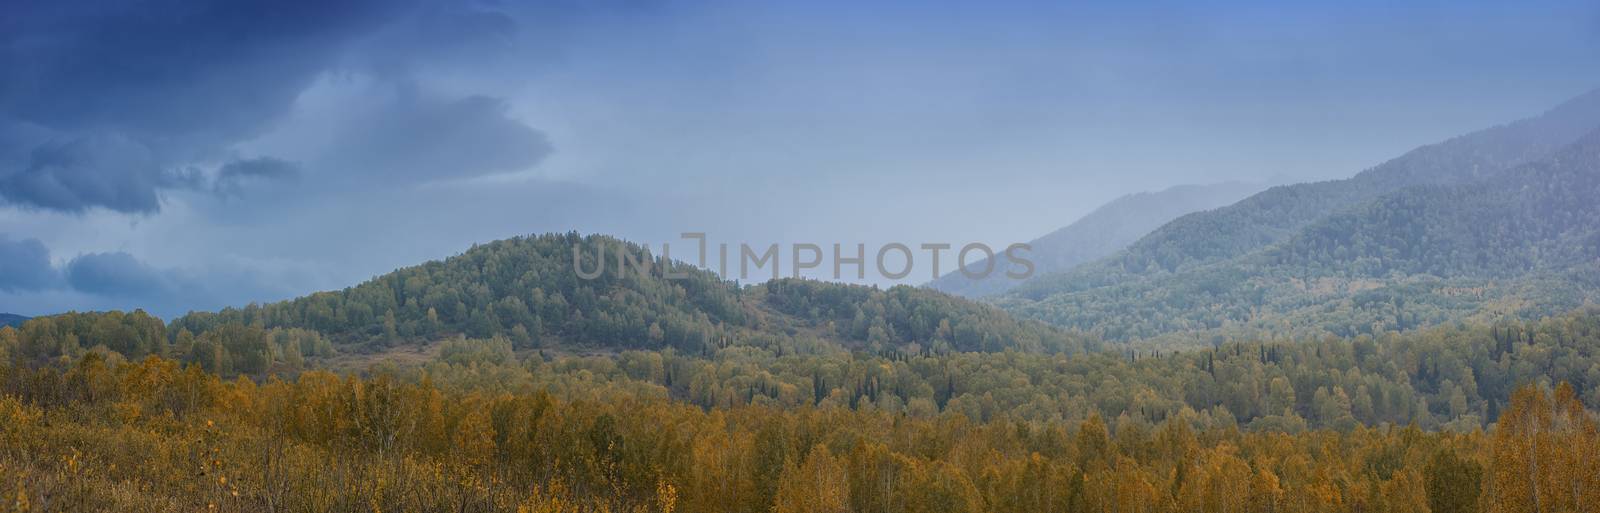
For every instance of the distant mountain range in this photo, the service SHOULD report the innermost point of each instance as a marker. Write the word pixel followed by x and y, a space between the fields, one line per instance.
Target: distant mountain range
pixel 1102 232
pixel 1499 223
pixel 12 320
pixel 1502 222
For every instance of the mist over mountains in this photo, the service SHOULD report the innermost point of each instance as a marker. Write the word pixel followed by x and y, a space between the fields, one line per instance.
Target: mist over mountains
pixel 1102 232
pixel 1495 223
pixel 1280 212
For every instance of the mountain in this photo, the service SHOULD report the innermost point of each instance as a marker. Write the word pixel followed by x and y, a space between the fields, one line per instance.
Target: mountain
pixel 1102 232
pixel 1524 243
pixel 527 291
pixel 12 320
pixel 1279 213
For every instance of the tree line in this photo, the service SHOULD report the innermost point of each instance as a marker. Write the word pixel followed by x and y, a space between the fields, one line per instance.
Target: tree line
pixel 1452 377
pixel 154 435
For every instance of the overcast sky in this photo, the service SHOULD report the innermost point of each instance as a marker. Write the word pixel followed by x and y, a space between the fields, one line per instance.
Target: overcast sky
pixel 181 155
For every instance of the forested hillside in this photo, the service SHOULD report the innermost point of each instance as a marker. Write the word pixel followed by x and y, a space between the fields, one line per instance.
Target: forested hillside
pixel 1524 242
pixel 1543 216
pixel 1279 213
pixel 822 397
pixel 1447 377
pixel 1102 232
pixel 527 290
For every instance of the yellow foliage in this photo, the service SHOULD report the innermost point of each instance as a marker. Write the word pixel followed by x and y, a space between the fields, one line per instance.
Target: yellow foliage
pixel 151 436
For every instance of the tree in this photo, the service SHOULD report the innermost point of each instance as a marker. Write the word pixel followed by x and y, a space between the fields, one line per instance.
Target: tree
pixel 1094 444
pixel 819 485
pixel 1453 483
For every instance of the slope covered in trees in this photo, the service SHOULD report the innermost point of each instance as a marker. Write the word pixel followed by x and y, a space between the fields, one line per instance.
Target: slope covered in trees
pixel 1275 215
pixel 1102 232
pixel 528 291
pixel 1524 242
pixel 478 430
pixel 1442 378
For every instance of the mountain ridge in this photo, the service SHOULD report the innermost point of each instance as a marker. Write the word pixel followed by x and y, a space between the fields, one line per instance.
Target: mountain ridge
pixel 1104 230
pixel 1524 242
pixel 1279 212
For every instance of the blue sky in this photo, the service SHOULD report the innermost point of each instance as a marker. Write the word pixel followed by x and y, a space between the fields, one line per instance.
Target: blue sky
pixel 185 155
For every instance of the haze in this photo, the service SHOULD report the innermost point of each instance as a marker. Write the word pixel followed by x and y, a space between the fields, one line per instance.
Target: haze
pixel 175 159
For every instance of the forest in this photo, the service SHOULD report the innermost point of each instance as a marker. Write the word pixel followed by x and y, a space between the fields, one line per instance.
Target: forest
pixel 121 411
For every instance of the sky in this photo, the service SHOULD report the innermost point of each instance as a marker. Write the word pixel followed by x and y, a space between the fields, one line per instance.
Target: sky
pixel 186 155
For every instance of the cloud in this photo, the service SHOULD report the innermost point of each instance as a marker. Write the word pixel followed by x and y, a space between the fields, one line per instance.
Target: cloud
pixel 237 175
pixel 417 137
pixel 115 274
pixel 123 93
pixel 30 283
pixel 108 105
pixel 120 280
pixel 453 35
pixel 103 170
pixel 25 266
pixel 173 68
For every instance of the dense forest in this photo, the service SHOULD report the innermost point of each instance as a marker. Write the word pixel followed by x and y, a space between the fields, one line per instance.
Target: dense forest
pixel 1453 377
pixel 480 427
pixel 1521 243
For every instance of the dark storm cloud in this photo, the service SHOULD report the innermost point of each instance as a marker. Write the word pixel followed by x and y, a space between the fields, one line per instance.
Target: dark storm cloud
pixel 124 90
pixel 115 274
pixel 184 69
pixel 25 265
pixel 103 170
pixel 108 105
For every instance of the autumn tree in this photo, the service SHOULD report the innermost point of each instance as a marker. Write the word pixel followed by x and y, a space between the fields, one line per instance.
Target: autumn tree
pixel 1453 483
pixel 819 485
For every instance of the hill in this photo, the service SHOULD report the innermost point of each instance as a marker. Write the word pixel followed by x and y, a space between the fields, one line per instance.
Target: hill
pixel 527 291
pixel 12 320
pixel 1109 228
pixel 1275 215
pixel 1524 243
